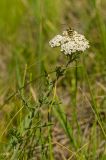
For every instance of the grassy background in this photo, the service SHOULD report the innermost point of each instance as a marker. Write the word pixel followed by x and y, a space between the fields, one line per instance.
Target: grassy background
pixel 79 121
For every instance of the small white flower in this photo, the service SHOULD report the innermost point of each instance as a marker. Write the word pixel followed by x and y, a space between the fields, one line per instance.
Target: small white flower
pixel 70 44
pixel 56 41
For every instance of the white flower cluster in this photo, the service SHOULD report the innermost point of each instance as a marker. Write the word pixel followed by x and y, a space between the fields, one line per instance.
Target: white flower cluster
pixel 70 44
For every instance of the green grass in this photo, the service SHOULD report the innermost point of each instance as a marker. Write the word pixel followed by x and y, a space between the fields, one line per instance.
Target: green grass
pixel 40 119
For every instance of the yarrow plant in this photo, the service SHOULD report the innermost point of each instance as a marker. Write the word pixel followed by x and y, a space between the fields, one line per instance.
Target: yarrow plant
pixel 70 42
pixel 28 139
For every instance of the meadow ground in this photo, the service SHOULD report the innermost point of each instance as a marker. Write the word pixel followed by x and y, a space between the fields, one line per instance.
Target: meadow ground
pixel 40 119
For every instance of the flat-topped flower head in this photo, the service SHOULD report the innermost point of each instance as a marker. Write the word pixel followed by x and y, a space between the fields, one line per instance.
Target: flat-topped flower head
pixel 70 43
